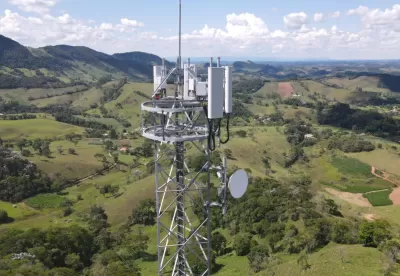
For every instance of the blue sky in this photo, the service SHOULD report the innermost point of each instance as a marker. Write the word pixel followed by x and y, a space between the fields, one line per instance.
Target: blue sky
pixel 285 28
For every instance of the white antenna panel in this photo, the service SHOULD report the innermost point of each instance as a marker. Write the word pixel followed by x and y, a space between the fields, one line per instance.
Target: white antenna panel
pixel 192 85
pixel 158 77
pixel 238 183
pixel 228 89
pixel 201 88
pixel 215 92
pixel 189 87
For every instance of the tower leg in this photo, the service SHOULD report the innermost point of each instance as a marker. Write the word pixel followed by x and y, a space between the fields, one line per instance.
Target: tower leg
pixel 180 204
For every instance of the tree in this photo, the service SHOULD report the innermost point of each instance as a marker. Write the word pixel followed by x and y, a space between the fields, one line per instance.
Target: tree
pixel 374 233
pixel 121 269
pixel 73 261
pixel 108 144
pixel 25 152
pixel 145 213
pixel 242 244
pixel 115 156
pixel 113 134
pixel 218 243
pixel 21 144
pixel 71 151
pixel 331 207
pixel 101 157
pixel 257 257
pixel 4 217
pixel 228 153
pixel 67 211
pixel 97 219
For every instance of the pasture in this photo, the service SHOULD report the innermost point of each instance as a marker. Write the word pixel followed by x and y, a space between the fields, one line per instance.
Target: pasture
pixel 35 128
pixel 367 83
pixel 70 166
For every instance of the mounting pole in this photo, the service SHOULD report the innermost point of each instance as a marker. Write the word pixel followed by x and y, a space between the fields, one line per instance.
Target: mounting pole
pixel 180 35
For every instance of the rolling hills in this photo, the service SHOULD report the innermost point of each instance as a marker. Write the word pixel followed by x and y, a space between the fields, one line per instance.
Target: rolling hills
pixel 311 199
pixel 61 65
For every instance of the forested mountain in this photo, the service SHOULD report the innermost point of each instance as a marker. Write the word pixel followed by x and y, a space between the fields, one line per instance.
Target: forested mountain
pixel 20 65
pixel 142 57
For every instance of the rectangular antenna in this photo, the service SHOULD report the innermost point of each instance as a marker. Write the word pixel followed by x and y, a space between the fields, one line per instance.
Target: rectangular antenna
pixel 215 93
pixel 228 89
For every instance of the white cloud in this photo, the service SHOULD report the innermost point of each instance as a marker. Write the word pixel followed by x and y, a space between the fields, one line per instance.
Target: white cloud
pixel 360 10
pixel 50 30
pixel 336 14
pixel 319 17
pixel 377 18
pixel 295 20
pixel 131 23
pixel 243 34
pixel 37 6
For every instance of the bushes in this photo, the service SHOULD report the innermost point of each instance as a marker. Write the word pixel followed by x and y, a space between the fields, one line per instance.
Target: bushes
pixel 374 233
pixel 145 213
pixel 257 257
pixel 242 244
pixel 4 217
pixel 350 144
pixel 241 133
pixel 19 178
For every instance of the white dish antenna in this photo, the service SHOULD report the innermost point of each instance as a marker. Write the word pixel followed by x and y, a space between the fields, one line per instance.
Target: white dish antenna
pixel 238 183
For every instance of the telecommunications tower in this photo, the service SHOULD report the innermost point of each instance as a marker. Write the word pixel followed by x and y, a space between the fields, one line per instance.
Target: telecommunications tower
pixel 180 124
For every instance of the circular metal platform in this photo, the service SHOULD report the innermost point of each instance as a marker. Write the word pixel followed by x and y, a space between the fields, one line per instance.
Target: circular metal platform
pixel 180 122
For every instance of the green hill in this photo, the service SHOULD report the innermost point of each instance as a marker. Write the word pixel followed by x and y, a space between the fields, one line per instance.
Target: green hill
pixel 63 65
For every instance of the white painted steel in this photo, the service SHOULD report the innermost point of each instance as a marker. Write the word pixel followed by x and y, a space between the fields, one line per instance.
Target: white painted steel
pixel 215 92
pixel 228 90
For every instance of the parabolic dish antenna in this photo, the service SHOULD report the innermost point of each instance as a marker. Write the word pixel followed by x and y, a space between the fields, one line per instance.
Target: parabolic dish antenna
pixel 238 183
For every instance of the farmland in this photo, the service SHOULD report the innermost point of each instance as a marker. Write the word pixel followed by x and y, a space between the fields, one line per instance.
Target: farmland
pixel 90 171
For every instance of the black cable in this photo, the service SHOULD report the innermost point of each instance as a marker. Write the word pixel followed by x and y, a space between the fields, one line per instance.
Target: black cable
pixel 211 136
pixel 227 130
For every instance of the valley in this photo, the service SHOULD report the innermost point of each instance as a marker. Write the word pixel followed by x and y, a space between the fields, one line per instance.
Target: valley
pixel 320 144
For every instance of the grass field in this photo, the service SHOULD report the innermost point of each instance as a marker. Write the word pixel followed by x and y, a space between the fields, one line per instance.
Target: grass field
pixel 367 83
pixel 357 260
pixel 379 198
pixel 384 159
pixel 35 128
pixel 338 94
pixel 44 201
pixel 71 166
pixel 22 95
pixel 351 166
pixel 20 211
pixel 268 88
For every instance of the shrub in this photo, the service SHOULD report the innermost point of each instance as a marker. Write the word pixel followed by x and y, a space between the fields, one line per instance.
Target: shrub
pixel 242 244
pixel 257 257
pixel 145 213
pixel 67 211
pixel 241 133
pixel 26 152
pixel 374 233
pixel 4 217
pixel 218 243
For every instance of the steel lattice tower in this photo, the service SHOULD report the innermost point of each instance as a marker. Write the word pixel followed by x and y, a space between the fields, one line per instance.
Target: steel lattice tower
pixel 182 200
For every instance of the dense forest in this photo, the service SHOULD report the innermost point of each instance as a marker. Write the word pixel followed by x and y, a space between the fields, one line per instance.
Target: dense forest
pixel 19 178
pixel 74 250
pixel 368 121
